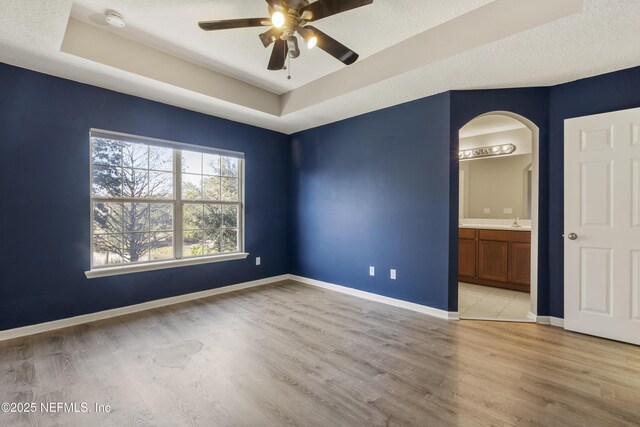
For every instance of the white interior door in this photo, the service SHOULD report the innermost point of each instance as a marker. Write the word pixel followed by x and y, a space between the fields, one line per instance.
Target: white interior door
pixel 602 225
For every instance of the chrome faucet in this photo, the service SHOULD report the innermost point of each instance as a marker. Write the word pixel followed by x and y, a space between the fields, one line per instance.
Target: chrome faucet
pixel 515 223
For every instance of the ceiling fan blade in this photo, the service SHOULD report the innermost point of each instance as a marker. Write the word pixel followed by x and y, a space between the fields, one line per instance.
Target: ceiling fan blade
pixel 268 37
pixel 278 55
pixel 234 23
pixel 323 8
pixel 334 47
pixel 275 3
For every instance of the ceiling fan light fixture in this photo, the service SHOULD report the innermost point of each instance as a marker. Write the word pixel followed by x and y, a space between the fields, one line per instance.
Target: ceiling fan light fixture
pixel 277 19
pixel 308 36
pixel 312 42
pixel 288 17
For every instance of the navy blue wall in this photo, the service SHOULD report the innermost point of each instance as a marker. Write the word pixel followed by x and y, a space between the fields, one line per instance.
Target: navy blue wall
pixel 374 190
pixel 601 94
pixel 378 189
pixel 345 217
pixel 44 217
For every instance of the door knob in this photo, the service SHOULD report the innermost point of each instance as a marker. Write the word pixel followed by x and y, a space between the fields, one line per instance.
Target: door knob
pixel 573 236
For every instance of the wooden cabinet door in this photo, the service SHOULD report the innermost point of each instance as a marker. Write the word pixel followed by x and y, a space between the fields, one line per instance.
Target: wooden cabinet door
pixel 520 263
pixel 466 258
pixel 493 261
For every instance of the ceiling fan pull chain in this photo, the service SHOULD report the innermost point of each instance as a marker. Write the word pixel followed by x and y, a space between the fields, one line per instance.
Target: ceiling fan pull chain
pixel 289 68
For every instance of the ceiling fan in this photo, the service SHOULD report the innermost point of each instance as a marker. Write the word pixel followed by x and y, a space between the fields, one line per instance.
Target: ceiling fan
pixel 288 17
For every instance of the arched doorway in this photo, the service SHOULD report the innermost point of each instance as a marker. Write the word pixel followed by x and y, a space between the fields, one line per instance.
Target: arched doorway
pixel 491 250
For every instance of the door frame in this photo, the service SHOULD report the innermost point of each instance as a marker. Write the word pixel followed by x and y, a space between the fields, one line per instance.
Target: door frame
pixel 535 194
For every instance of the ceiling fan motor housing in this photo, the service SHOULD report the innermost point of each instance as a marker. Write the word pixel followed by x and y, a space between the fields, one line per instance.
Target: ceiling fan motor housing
pixel 294 50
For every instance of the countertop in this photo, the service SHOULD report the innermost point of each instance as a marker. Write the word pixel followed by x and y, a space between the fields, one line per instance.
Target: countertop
pixel 496 227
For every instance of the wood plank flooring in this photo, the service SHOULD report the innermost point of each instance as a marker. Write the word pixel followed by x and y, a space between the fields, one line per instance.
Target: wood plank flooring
pixel 291 354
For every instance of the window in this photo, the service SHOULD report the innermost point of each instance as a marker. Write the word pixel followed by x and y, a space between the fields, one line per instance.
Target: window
pixel 162 204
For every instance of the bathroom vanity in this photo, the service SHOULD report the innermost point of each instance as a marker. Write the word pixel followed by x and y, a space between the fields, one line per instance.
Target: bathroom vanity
pixel 495 256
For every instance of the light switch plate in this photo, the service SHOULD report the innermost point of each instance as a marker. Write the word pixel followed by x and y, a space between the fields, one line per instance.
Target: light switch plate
pixel 507 210
pixel 258 260
pixel 372 271
pixel 393 274
pixel 487 210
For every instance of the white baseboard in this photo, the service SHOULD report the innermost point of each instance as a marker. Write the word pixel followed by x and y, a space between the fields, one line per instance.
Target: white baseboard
pixel 435 312
pixel 121 311
pixel 543 320
pixel 550 320
pixel 107 314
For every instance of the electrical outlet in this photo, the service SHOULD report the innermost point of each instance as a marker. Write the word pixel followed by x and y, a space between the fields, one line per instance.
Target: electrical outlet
pixel 487 210
pixel 258 260
pixel 393 274
pixel 507 210
pixel 372 271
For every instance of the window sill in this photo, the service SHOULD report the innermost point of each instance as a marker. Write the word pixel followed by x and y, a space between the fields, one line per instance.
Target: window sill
pixel 160 265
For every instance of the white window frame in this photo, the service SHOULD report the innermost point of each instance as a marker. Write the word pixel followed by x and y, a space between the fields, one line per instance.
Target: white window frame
pixel 178 204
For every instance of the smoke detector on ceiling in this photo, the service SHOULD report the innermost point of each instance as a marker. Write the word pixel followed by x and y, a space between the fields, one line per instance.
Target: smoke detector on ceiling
pixel 114 19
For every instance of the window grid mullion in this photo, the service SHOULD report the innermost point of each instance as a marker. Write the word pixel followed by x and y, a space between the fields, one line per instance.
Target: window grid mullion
pixel 151 235
pixel 121 170
pixel 129 200
pixel 212 202
pixel 178 232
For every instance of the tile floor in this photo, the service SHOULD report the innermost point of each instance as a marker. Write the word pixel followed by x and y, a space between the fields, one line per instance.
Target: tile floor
pixel 485 302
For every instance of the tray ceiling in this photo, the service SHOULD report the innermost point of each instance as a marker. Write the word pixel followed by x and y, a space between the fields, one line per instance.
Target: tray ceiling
pixel 409 50
pixel 170 26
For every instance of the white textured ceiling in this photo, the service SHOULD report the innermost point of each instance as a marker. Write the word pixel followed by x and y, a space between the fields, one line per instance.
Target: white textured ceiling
pixel 170 26
pixel 600 39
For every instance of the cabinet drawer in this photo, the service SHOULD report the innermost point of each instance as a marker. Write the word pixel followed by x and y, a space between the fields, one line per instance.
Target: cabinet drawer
pixel 505 236
pixel 467 233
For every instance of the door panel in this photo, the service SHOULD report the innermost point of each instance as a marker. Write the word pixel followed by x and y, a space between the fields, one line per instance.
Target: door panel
pixel 520 260
pixel 635 285
pixel 635 192
pixel 596 139
pixel 596 280
pixel 596 194
pixel 493 261
pixel 467 258
pixel 602 212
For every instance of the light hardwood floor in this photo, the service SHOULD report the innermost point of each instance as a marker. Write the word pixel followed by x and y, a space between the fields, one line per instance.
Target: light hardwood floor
pixel 290 354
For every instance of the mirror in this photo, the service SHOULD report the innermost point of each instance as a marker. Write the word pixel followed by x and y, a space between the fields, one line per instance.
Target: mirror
pixel 495 169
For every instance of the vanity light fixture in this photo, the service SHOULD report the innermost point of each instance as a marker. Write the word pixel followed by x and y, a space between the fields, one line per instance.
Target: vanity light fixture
pixel 490 151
